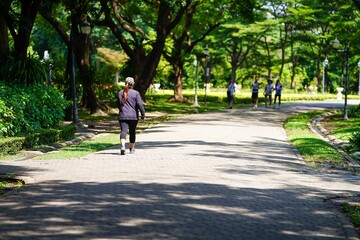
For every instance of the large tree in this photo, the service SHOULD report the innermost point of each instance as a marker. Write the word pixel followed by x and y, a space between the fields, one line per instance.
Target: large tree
pixel 18 16
pixel 141 29
pixel 193 29
pixel 78 44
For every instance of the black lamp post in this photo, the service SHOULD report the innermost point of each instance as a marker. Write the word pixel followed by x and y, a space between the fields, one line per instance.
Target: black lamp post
pixel 325 63
pixel 196 64
pixel 346 51
pixel 207 70
pixel 359 79
pixel 46 58
pixel 85 28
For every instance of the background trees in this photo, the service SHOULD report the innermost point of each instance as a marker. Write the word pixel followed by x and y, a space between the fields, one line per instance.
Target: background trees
pixel 287 40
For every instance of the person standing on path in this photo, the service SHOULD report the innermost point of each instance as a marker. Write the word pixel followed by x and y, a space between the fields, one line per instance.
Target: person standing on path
pixel 230 93
pixel 129 104
pixel 278 89
pixel 255 92
pixel 268 93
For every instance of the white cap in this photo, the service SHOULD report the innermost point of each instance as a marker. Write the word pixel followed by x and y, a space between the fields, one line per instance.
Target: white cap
pixel 129 81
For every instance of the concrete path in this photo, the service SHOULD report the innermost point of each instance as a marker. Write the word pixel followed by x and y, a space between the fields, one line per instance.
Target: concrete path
pixel 224 175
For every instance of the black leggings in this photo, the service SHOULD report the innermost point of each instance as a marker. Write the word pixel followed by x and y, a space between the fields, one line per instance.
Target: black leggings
pixel 130 125
pixel 276 96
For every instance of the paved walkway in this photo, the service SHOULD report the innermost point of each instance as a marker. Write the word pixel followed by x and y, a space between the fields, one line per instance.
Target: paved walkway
pixel 225 175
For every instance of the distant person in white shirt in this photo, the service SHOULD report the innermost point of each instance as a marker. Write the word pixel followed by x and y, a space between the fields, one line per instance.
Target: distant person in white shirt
pixel 255 92
pixel 268 93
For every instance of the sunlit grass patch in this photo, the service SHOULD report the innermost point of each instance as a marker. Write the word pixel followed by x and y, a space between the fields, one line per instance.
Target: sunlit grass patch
pixel 83 148
pixel 312 147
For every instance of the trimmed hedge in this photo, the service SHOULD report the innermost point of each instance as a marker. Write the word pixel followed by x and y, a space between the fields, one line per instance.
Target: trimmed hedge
pixel 27 109
pixel 12 145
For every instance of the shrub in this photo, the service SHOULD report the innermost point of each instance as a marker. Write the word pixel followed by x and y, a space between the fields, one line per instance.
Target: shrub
pixel 11 145
pixel 22 71
pixel 26 109
pixel 6 117
pixel 107 92
pixel 355 140
pixel 354 111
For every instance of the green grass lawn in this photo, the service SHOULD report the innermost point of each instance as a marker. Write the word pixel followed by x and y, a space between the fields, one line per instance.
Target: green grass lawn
pixel 340 128
pixel 314 150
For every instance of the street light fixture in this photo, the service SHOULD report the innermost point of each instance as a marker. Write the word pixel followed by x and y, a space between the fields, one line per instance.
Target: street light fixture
pixel 346 51
pixel 196 104
pixel 359 79
pixel 46 58
pixel 325 63
pixel 85 28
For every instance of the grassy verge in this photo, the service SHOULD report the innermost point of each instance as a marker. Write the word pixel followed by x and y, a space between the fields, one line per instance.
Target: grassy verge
pixel 353 212
pixel 314 150
pixel 100 142
pixel 340 128
pixel 7 184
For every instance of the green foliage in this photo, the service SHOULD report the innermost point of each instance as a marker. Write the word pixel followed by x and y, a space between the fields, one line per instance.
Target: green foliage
pixel 27 109
pixel 355 140
pixel 11 145
pixel 49 136
pixel 107 92
pixel 309 144
pixel 354 111
pixel 22 71
pixel 84 148
pixel 353 211
pixel 6 117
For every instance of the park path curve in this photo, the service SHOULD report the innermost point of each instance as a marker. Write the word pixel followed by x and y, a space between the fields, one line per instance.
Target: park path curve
pixel 224 175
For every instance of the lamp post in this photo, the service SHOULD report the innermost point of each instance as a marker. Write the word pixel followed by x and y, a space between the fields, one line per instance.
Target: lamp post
pixel 325 63
pixel 346 51
pixel 207 69
pixel 359 79
pixel 46 58
pixel 196 104
pixel 85 28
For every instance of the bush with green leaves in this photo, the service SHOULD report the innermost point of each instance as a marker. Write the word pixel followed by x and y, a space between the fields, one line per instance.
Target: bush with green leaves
pixel 354 111
pixel 6 117
pixel 26 109
pixel 355 140
pixel 22 71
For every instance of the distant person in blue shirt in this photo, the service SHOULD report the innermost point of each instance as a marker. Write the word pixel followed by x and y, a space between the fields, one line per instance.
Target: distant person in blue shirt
pixel 278 89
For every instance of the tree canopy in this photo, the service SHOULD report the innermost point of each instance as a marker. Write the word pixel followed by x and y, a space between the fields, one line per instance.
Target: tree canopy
pixel 148 40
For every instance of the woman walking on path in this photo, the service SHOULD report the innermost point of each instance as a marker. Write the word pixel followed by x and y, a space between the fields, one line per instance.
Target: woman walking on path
pixel 278 88
pixel 129 103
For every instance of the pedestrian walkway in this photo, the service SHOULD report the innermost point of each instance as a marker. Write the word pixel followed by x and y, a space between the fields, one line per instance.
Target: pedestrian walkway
pixel 223 175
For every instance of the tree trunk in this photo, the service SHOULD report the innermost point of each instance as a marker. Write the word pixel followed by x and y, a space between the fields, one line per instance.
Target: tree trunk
pixel 178 82
pixel 89 99
pixel 29 10
pixel 234 63
pixel 283 40
pixel 143 63
pixel 67 87
pixel 145 70
pixel 269 58
pixel 4 37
